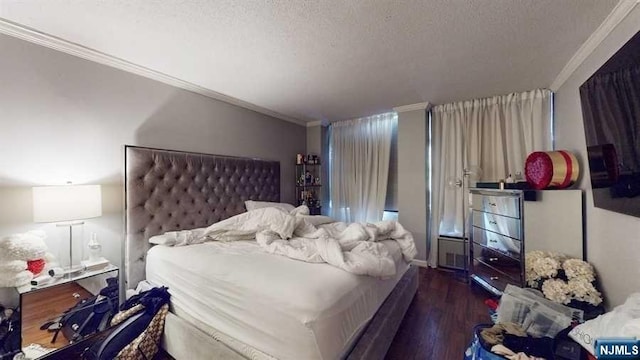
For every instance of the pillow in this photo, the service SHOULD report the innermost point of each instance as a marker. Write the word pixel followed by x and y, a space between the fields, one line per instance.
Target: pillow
pixel 623 321
pixel 252 205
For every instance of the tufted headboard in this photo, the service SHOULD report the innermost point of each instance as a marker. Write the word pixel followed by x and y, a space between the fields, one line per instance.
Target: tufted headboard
pixel 168 190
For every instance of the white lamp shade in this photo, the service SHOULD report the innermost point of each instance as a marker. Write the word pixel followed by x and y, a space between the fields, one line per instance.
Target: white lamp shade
pixel 66 203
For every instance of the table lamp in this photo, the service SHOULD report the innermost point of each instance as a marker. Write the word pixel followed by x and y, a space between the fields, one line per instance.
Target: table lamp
pixel 67 206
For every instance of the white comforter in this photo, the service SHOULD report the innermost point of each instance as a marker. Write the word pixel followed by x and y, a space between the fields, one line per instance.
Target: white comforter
pixel 352 247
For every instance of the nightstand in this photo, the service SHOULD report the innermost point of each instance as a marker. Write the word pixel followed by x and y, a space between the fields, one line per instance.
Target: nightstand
pixel 44 304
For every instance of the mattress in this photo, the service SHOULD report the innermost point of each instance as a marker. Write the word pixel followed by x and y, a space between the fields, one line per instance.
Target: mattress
pixel 265 305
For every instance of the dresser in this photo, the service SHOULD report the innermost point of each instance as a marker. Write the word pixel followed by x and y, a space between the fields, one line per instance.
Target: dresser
pixel 502 225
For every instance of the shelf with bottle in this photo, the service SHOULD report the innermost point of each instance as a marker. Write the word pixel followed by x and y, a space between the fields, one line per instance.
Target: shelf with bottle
pixel 308 178
pixel 310 160
pixel 310 198
pixel 308 182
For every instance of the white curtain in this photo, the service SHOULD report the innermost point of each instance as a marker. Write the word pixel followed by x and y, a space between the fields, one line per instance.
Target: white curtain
pixel 494 134
pixel 359 167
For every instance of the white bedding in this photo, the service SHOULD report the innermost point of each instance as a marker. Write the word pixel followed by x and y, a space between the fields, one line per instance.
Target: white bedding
pixel 284 308
pixel 353 247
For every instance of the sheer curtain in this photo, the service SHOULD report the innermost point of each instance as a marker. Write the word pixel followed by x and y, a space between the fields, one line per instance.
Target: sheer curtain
pixel 359 167
pixel 495 134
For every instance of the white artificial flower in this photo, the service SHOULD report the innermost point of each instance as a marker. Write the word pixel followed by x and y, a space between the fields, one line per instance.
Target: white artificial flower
pixel 582 289
pixel 556 290
pixel 532 278
pixel 540 265
pixel 576 268
pixel 534 255
pixel 559 257
pixel 529 259
pixel 546 267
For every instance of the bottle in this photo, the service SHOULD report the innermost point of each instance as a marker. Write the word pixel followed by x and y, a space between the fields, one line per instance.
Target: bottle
pixel 518 176
pixel 95 249
pixel 509 179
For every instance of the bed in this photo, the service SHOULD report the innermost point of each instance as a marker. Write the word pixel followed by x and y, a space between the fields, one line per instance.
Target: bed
pixel 234 300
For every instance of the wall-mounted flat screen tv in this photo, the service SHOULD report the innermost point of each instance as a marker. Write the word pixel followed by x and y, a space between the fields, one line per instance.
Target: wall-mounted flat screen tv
pixel 611 111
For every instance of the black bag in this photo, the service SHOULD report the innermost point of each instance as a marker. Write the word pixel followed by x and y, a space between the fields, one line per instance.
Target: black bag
pixel 9 333
pixel 138 312
pixel 88 316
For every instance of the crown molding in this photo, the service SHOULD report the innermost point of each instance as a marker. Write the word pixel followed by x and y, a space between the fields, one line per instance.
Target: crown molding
pixel 412 107
pixel 19 31
pixel 615 17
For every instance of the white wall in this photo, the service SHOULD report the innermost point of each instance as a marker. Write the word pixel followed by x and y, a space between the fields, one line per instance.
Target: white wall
pixel 412 176
pixel 613 240
pixel 314 139
pixel 63 118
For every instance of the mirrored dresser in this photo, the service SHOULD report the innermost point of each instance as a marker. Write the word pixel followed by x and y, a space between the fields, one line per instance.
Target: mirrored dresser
pixel 503 225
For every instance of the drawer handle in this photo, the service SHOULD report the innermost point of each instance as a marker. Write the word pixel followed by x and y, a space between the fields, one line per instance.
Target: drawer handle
pixel 493 222
pixel 492 204
pixel 493 259
pixel 493 240
pixel 494 278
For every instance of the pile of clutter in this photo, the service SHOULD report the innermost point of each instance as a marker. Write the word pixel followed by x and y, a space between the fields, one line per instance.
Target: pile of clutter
pixel 529 326
pixel 22 257
pixel 512 341
pixel 9 335
pixel 559 316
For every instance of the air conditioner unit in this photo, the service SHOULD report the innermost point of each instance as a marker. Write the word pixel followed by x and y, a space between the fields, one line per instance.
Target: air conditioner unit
pixel 451 252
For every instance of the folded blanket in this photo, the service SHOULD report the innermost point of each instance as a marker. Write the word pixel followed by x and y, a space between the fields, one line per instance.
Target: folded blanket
pixel 15 279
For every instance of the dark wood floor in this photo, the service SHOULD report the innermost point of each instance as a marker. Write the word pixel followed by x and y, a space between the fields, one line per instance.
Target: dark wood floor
pixel 44 305
pixel 439 322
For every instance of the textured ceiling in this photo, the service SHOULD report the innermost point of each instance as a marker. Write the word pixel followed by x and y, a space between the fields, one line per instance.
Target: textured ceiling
pixel 331 59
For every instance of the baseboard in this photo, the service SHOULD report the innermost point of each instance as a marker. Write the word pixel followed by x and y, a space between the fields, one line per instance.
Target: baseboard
pixel 421 263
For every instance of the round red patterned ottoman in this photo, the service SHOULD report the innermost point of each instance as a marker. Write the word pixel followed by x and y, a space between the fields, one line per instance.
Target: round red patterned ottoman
pixel 551 169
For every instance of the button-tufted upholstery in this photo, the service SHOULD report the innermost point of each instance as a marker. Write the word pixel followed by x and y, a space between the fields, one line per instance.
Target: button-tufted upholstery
pixel 172 190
